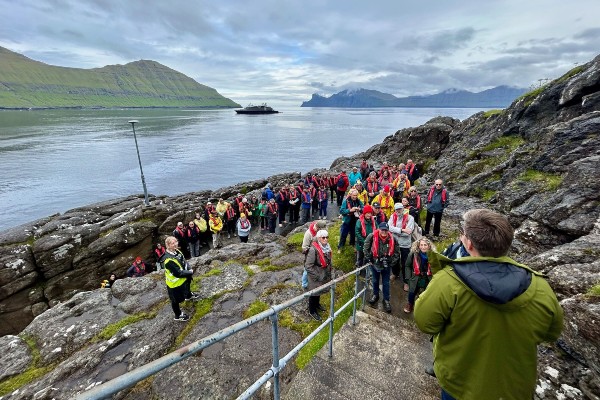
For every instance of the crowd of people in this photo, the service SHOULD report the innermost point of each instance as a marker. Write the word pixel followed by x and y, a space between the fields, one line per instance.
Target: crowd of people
pixel 486 312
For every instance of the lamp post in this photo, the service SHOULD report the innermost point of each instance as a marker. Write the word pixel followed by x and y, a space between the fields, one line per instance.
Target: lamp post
pixel 133 122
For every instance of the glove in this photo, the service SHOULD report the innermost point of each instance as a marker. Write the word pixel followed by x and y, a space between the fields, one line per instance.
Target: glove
pixel 187 273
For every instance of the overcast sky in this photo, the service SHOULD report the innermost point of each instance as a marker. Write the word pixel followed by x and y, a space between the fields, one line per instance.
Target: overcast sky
pixel 283 51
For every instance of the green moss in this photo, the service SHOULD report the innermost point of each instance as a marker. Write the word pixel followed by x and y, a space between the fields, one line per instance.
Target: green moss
pixel 249 271
pixel 110 330
pixel 256 307
pixel 212 272
pixel 428 163
pixel 201 308
pixel 570 74
pixel 264 262
pixel 295 241
pixel 276 267
pixel 35 370
pixel 594 291
pixel 277 287
pixel 344 292
pixel 490 113
pixel 346 260
pixel 508 142
pixel 549 181
pixel 529 97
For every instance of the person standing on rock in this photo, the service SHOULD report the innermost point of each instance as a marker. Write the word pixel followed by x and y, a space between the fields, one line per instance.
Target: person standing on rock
pixel 306 204
pixel 364 227
pixel 386 201
pixel 178 278
pixel 354 176
pixel 401 225
pixel 193 239
pixel 294 204
pixel 414 202
pixel 412 171
pixel 282 204
pixel 437 201
pixel 271 213
pixel 137 269
pixel 350 212
pixel 323 199
pixel 488 314
pixel 159 251
pixel 342 183
pixel 381 252
pixel 230 219
pixel 180 234
pixel 318 267
pixel 417 271
pixel 215 224
pixel 372 186
pixel 363 196
pixel 309 237
pixel 243 228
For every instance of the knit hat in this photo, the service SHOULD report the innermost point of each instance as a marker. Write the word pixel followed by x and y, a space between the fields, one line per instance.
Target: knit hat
pixel 321 224
pixel 138 259
pixel 398 206
pixel 322 233
pixel 368 209
pixel 386 188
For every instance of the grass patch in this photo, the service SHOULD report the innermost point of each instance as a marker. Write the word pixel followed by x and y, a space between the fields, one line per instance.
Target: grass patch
pixel 201 308
pixel 549 181
pixel 490 113
pixel 212 272
pixel 594 291
pixel 476 167
pixel 509 142
pixel 428 163
pixel 35 370
pixel 256 307
pixel 110 330
pixel 276 288
pixel 344 292
pixel 265 262
pixel 570 74
pixel 276 268
pixel 295 241
pixel 529 97
pixel 249 271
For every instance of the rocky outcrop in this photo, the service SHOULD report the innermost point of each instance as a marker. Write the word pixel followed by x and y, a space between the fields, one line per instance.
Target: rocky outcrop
pixel 49 260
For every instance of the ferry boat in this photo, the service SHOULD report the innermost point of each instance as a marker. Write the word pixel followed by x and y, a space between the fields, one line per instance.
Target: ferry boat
pixel 262 109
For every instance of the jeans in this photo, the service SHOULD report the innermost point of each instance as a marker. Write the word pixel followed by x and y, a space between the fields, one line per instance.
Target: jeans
pixel 194 248
pixel 305 215
pixel 446 396
pixel 385 277
pixel 305 280
pixel 436 223
pixel 346 229
pixel 323 210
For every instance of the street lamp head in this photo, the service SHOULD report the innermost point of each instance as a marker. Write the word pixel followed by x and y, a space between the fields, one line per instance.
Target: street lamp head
pixel 133 121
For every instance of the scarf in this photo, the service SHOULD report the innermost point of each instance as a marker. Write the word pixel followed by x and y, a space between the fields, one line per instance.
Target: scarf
pixel 416 265
pixel 321 250
pixel 244 224
pixel 313 229
pixel 376 238
pixel 363 227
pixel 404 220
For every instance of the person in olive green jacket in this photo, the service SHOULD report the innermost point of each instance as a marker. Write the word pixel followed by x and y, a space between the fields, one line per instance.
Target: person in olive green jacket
pixel 487 313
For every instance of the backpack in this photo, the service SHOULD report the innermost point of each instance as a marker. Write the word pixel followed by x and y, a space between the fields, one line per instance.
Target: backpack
pixel 340 182
pixel 263 195
pixel 417 233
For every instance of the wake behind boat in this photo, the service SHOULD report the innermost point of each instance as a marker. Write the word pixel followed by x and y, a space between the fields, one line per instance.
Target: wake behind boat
pixel 262 109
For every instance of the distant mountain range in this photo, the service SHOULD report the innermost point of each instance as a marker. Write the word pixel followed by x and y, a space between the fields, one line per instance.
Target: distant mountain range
pixel 25 83
pixel 500 96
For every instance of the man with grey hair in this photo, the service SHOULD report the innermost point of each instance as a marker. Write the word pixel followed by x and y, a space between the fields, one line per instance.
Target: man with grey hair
pixel 437 201
pixel 401 225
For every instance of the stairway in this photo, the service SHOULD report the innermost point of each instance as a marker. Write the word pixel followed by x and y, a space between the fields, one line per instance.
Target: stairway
pixel 381 357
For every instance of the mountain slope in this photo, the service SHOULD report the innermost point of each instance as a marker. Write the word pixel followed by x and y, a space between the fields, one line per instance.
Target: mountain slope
pixel 500 96
pixel 25 83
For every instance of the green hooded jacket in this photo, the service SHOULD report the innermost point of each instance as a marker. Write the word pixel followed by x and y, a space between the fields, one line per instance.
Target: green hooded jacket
pixel 487 316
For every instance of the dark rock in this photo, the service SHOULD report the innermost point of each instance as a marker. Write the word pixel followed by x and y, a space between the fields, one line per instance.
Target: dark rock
pixel 581 328
pixel 15 357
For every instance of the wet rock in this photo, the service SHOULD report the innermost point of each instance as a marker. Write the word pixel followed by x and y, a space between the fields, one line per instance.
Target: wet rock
pixel 15 357
pixel 17 269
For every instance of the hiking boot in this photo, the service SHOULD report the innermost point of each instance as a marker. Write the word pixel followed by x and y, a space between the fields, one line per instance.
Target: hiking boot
pixel 429 370
pixel 408 308
pixel 194 296
pixel 387 306
pixel 315 316
pixel 183 317
pixel 374 299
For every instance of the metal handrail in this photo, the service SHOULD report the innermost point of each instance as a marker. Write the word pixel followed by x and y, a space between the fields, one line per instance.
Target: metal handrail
pixel 136 375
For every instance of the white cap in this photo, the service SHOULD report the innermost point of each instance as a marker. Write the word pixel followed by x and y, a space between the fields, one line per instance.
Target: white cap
pixel 398 206
pixel 322 233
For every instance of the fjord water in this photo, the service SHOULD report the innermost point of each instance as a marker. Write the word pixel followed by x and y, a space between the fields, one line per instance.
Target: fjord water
pixel 55 160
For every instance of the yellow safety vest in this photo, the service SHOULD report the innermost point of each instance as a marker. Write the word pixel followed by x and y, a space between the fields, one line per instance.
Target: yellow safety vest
pixel 172 280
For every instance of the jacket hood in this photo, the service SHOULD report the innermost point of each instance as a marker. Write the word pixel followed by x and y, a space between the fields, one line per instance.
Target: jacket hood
pixel 493 281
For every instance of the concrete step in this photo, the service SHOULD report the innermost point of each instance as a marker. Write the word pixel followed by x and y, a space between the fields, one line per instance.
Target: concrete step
pixel 381 357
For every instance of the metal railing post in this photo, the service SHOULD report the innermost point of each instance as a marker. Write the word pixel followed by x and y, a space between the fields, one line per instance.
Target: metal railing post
pixel 355 296
pixel 331 315
pixel 275 339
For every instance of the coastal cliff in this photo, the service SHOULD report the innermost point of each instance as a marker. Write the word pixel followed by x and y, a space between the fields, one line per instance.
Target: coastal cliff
pixel 535 161
pixel 26 83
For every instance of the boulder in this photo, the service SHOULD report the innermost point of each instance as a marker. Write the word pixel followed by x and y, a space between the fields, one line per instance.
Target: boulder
pixel 15 358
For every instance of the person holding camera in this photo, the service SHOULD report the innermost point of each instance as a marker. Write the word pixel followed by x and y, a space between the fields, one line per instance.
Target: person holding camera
pixel 318 267
pixel 381 252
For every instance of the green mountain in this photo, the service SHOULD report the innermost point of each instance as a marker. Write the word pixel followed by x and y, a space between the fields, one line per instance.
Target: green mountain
pixel 25 83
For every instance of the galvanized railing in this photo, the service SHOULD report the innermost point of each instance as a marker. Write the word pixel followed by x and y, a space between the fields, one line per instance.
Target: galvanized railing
pixel 132 377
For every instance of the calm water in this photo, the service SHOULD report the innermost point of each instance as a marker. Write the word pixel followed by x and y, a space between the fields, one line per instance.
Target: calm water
pixel 52 161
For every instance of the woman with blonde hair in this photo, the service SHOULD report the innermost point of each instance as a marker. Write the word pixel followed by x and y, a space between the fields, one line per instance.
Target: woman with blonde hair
pixel 417 271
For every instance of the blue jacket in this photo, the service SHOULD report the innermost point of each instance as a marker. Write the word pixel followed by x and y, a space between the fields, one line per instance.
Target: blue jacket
pixel 436 204
pixel 345 210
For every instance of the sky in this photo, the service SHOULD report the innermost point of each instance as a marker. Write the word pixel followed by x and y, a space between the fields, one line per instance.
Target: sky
pixel 281 52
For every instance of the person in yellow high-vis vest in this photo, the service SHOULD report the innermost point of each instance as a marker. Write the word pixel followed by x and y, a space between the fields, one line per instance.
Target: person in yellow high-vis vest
pixel 178 277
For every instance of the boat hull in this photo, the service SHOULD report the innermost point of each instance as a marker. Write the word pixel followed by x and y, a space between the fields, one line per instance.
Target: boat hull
pixel 256 111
